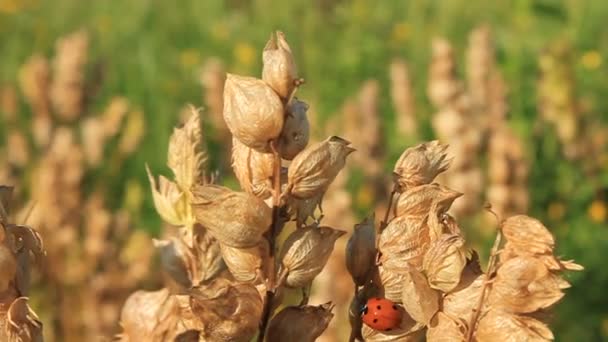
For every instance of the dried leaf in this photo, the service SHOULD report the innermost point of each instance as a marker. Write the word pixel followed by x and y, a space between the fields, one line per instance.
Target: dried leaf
pixel 279 70
pixel 253 112
pixel 169 201
pixel 312 171
pixel 296 130
pixel 253 169
pixel 419 165
pixel 305 253
pixel 442 328
pixel 501 326
pixel 300 323
pixel 419 300
pixel 187 155
pixel 246 264
pixel 444 262
pixel 237 219
pixel 361 251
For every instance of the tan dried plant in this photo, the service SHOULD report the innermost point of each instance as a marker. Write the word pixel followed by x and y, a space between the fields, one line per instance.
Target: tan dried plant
pixel 420 262
pixel 226 271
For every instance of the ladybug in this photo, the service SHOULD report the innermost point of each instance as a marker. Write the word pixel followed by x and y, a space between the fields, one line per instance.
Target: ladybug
pixel 381 314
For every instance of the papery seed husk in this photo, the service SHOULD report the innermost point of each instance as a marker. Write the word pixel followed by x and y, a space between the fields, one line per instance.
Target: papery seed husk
pixel 408 331
pixel 442 328
pixel 419 300
pixel 246 264
pixel 525 285
pixel 253 112
pixel 392 279
pixel 461 301
pixel 177 260
pixel 305 253
pixel 404 240
pixel 148 316
pixel 22 322
pixel 209 255
pixel 253 169
pixel 312 171
pixel 169 200
pixel 279 70
pixel 187 153
pixel 529 234
pixel 418 200
pixel 444 262
pixel 237 219
pixel 500 326
pixel 420 164
pixel 296 130
pixel 361 251
pixel 300 323
pixel 553 263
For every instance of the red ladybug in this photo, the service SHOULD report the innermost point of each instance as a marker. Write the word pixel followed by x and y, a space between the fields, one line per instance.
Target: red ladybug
pixel 381 314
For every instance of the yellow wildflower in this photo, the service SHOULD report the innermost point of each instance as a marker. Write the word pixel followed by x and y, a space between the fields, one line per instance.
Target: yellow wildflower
pixel 591 60
pixel 597 211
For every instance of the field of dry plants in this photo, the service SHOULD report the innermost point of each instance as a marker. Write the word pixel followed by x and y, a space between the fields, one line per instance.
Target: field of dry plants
pixel 169 177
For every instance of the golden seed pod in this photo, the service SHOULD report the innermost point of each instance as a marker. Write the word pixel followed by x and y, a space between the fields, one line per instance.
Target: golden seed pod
pixel 497 325
pixel 528 234
pixel 418 200
pixel 305 253
pixel 525 285
pixel 187 153
pixel 177 260
pixel 22 324
pixel 444 261
pixel 391 279
pixel 148 316
pixel 443 328
pixel 253 112
pixel 312 171
pixel 300 323
pixel 246 264
pixel 462 300
pixel 253 169
pixel 169 201
pixel 236 219
pixel 404 241
pixel 420 301
pixel 296 130
pixel 420 164
pixel 361 251
pixel 279 70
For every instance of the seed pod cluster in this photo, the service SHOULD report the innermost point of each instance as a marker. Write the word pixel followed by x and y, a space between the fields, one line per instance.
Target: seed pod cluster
pixel 300 323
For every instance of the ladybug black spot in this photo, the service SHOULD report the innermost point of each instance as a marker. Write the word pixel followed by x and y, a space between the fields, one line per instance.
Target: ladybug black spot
pixel 379 307
pixel 395 307
pixel 375 320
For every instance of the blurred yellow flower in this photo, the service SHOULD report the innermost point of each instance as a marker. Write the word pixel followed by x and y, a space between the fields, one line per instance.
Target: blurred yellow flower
pixel 134 195
pixel 597 211
pixel 365 196
pixel 219 31
pixel 401 32
pixel 591 60
pixel 189 58
pixel 556 211
pixel 11 6
pixel 244 53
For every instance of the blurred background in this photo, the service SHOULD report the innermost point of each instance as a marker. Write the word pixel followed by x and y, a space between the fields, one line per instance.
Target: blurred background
pixel 90 92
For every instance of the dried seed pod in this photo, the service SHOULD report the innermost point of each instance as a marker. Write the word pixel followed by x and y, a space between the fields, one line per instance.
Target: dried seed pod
pixel 237 219
pixel 22 323
pixel 464 298
pixel 311 171
pixel 246 264
pixel 279 70
pixel 392 279
pixel 497 325
pixel 525 285
pixel 187 155
pixel 177 260
pixel 444 261
pixel 420 164
pixel 404 241
pixel 305 253
pixel 8 265
pixel 361 251
pixel 253 111
pixel 169 201
pixel 443 328
pixel 528 234
pixel 408 331
pixel 300 323
pixel 296 130
pixel 253 169
pixel 209 255
pixel 303 209
pixel 420 301
pixel 418 200
pixel 148 316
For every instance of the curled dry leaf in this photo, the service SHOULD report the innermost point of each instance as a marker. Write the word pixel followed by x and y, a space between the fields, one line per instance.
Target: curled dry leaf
pixel 420 165
pixel 442 328
pixel 253 112
pixel 419 200
pixel 227 311
pixel 420 301
pixel 305 253
pixel 236 219
pixel 279 70
pixel 169 201
pixel 525 285
pixel 296 130
pixel 312 171
pixel 187 154
pixel 253 169
pixel 500 326
pixel 404 241
pixel 22 324
pixel 444 262
pixel 246 264
pixel 300 323
pixel 149 316
pixel 361 251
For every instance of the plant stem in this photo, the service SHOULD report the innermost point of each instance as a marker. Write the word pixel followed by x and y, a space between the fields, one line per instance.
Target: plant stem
pixel 274 229
pixel 384 221
pixel 489 273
